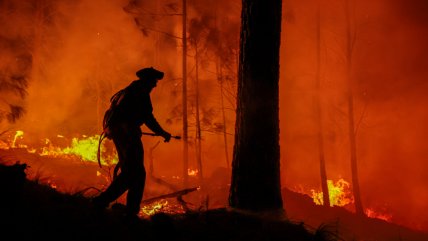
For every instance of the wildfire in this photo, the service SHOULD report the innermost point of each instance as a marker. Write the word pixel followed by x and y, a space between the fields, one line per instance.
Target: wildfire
pixel 19 134
pixel 85 148
pixel 374 214
pixel 154 208
pixel 339 194
pixel 52 184
pixel 192 172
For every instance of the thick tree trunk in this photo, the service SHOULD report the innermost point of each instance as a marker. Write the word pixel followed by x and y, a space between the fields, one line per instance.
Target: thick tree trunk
pixel 255 168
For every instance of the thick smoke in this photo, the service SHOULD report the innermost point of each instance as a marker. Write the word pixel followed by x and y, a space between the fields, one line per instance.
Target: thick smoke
pixel 60 61
pixel 82 52
pixel 389 71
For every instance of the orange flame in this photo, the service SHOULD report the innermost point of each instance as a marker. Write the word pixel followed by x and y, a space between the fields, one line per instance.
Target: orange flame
pixel 154 208
pixel 19 134
pixel 339 194
pixel 371 213
pixel 192 172
pixel 85 148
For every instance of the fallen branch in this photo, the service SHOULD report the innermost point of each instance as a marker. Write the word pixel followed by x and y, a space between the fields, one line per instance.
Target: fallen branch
pixel 164 183
pixel 177 194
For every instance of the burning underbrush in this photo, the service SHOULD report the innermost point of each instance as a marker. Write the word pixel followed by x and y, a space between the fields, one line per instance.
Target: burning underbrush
pixel 31 211
pixel 340 195
pixel 69 165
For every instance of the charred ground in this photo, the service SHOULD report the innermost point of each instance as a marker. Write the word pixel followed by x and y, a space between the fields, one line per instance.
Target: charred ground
pixel 33 211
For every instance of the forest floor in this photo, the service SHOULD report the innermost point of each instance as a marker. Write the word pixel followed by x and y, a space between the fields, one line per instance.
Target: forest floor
pixel 31 210
pixel 345 224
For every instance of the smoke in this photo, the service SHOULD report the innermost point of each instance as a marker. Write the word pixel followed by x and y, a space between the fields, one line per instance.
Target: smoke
pixel 15 64
pixel 61 61
pixel 389 70
pixel 81 52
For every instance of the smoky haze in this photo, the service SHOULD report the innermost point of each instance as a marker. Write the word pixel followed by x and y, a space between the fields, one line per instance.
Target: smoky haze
pixel 69 57
pixel 82 52
pixel 389 72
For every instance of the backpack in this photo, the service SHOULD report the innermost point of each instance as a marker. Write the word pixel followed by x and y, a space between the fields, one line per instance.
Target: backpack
pixel 109 118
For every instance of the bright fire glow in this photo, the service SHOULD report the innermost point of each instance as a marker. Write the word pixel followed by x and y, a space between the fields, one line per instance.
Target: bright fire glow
pixel 19 134
pixel 154 208
pixel 85 148
pixel 162 206
pixel 339 194
pixel 191 172
pixel 52 184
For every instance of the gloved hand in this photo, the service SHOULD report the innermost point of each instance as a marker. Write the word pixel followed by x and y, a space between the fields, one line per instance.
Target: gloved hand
pixel 167 136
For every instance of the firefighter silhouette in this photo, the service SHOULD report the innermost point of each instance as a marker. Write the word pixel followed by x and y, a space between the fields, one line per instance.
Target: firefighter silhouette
pixel 130 109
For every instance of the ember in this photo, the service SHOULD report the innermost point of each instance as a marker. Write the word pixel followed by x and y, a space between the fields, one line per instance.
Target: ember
pixel 161 206
pixel 154 208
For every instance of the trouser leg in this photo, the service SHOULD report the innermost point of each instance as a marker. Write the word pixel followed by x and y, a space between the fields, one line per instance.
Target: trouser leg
pixel 115 190
pixel 137 182
pixel 135 193
pixel 132 175
pixel 121 183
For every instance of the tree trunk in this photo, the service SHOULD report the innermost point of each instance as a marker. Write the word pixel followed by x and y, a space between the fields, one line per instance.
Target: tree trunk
pixel 185 138
pixel 198 119
pixel 255 168
pixel 151 166
pixel 220 80
pixel 352 140
pixel 318 110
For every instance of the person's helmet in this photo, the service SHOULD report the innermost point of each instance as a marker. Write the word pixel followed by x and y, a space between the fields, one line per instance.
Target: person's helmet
pixel 149 73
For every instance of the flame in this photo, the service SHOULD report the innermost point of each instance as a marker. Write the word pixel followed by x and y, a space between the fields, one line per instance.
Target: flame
pixel 191 172
pixel 154 208
pixel 339 194
pixel 162 206
pixel 52 185
pixel 19 134
pixel 85 148
pixel 371 213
